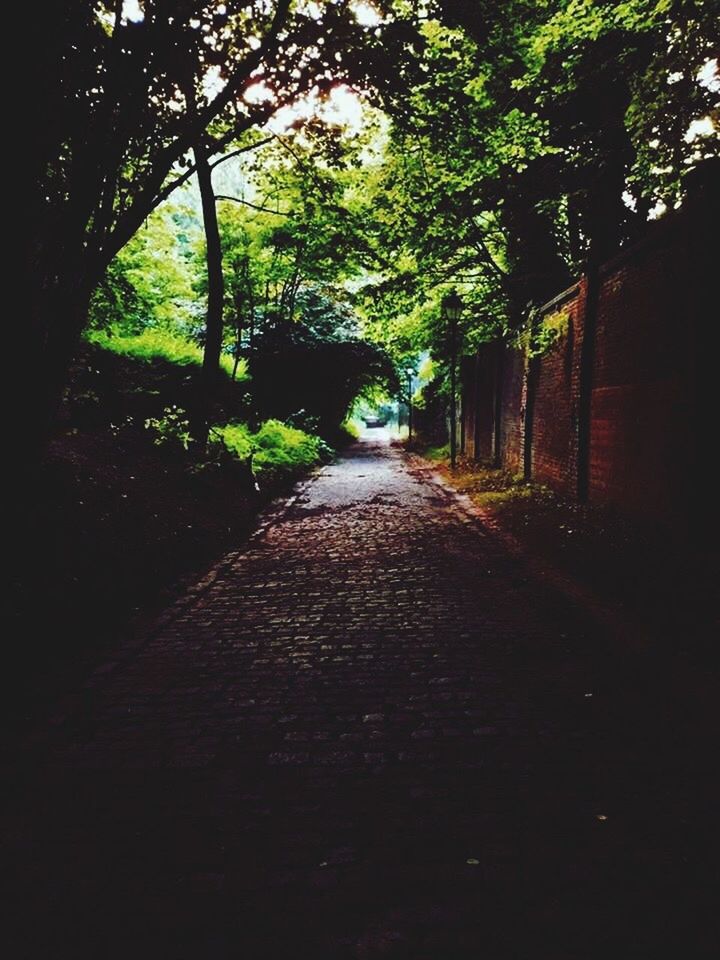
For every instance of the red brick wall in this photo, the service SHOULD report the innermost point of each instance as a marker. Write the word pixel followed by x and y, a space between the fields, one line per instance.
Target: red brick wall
pixel 555 406
pixel 512 410
pixel 640 418
pixel 646 402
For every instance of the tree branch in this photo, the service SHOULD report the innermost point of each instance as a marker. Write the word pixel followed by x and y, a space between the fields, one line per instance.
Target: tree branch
pixel 278 213
pixel 482 248
pixel 218 145
pixel 341 211
pixel 240 150
pixel 144 202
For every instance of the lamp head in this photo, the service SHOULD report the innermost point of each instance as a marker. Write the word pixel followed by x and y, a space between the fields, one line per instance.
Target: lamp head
pixel 452 306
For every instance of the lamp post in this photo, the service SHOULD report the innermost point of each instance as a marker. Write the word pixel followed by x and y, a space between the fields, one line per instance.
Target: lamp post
pixel 451 310
pixel 410 373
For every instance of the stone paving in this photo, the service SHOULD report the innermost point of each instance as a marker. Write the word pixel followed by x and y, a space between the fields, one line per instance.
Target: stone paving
pixel 371 734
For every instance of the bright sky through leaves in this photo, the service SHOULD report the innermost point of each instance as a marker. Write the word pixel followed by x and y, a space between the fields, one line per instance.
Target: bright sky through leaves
pixel 132 10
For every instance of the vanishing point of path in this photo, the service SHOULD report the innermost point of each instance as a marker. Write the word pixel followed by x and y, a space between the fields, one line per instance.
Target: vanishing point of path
pixel 370 734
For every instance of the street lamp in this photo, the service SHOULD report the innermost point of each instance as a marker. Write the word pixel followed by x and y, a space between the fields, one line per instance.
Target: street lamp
pixel 410 373
pixel 451 309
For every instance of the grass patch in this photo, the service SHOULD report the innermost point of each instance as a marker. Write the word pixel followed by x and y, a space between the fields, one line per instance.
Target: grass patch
pixel 488 487
pixel 436 454
pixel 497 497
pixel 153 344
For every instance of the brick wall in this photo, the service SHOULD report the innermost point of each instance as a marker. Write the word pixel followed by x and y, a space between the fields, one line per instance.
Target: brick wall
pixel 512 409
pixel 640 424
pixel 646 398
pixel 555 405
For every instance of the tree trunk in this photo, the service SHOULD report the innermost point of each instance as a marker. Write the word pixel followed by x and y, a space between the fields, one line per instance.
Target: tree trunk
pixel 58 308
pixel 239 328
pixel 214 319
pixel 47 347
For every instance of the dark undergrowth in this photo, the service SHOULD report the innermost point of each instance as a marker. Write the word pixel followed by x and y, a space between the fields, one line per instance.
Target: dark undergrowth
pixel 117 523
pixel 661 577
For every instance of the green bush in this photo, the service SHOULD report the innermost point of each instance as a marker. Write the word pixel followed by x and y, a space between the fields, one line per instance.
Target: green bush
pixel 278 450
pixel 353 429
pixel 156 344
pixel 236 437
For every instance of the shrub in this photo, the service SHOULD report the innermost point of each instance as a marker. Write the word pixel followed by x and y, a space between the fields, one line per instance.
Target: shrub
pixel 352 428
pixel 278 450
pixel 236 437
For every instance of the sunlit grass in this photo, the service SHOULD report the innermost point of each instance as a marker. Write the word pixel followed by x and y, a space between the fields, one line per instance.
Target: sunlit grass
pixel 155 344
pixel 486 486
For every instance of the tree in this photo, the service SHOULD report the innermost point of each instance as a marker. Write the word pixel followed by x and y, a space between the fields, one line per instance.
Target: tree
pixel 112 124
pixel 215 296
pixel 529 132
pixel 288 256
pixel 151 282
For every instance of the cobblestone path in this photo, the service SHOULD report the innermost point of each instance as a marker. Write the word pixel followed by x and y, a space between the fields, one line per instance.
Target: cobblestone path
pixel 371 735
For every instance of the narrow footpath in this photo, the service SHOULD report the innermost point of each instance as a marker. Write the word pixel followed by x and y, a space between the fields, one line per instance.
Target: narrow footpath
pixel 371 733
